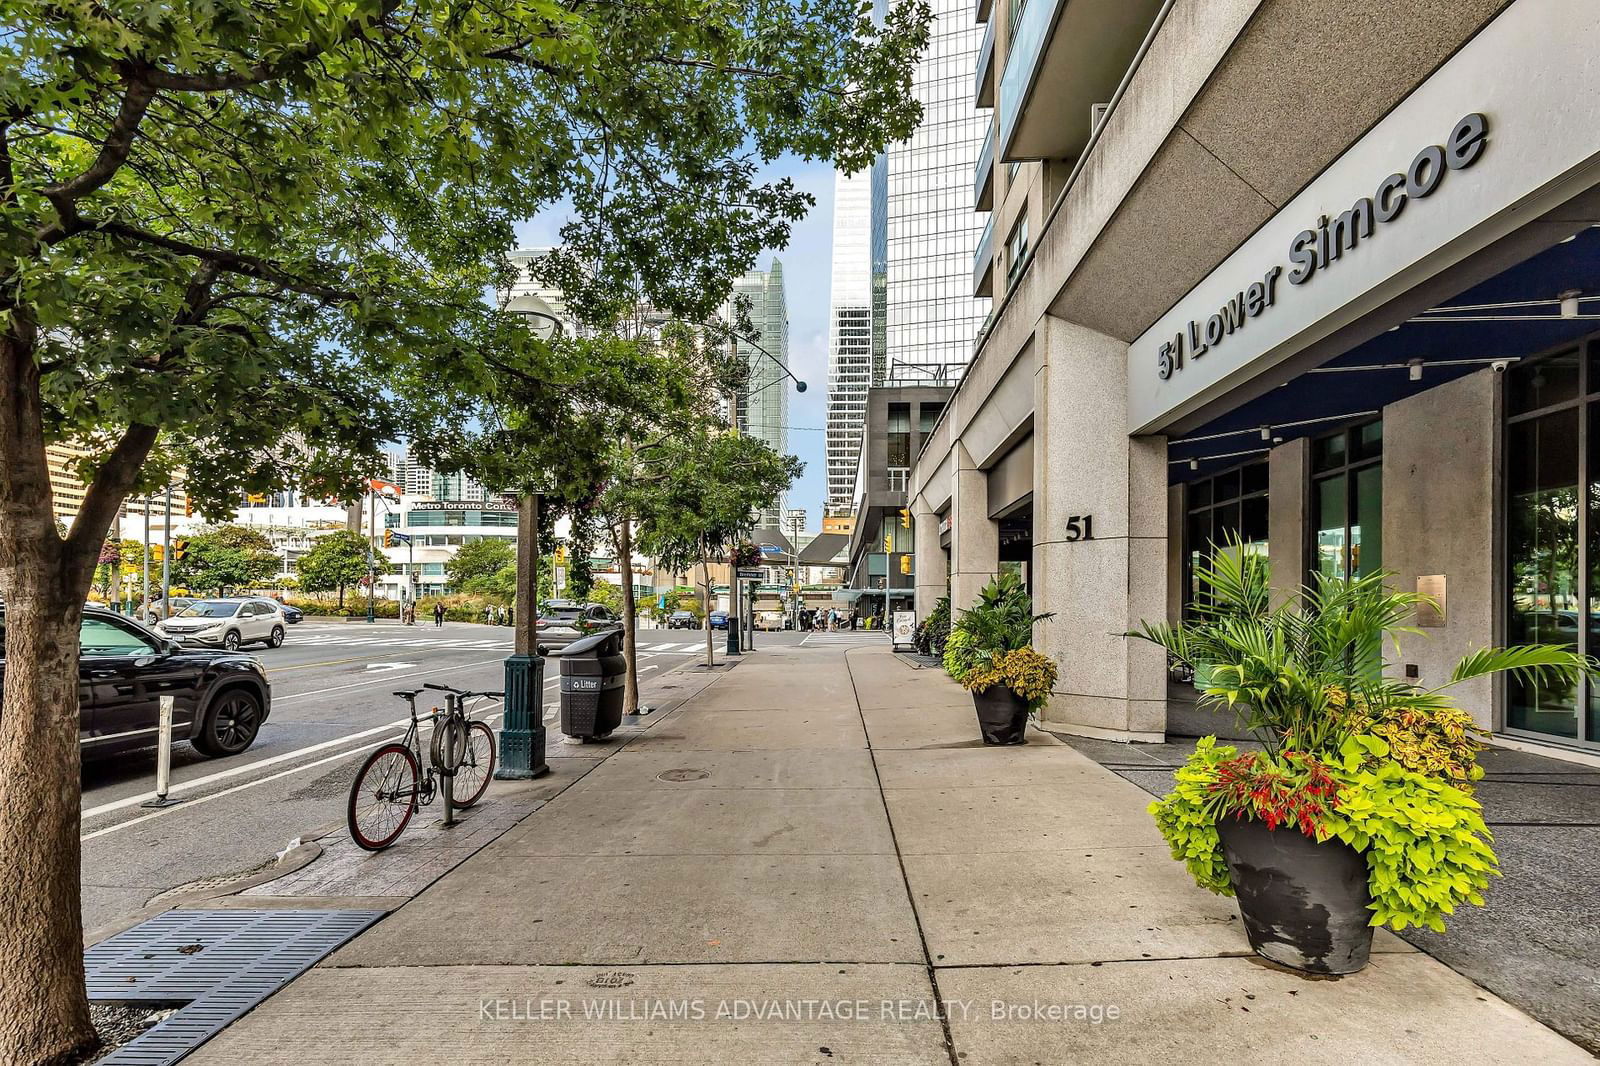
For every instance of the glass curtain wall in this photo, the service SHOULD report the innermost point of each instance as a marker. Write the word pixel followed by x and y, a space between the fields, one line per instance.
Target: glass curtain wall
pixel 1232 505
pixel 1553 533
pixel 1347 502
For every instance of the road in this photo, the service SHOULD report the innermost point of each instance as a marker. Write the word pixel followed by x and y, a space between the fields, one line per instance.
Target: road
pixel 331 702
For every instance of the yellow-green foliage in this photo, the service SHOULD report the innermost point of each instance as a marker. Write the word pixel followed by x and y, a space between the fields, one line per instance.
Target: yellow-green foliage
pixel 1026 672
pixel 1439 742
pixel 959 656
pixel 1426 843
pixel 1187 821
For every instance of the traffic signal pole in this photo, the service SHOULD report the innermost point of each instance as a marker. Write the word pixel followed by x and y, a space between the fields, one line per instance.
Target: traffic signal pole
pixel 372 562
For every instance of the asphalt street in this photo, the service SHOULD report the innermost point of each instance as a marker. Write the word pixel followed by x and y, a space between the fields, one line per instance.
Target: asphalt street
pixel 332 701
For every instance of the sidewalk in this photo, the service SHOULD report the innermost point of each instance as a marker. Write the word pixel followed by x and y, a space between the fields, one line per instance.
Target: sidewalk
pixel 813 860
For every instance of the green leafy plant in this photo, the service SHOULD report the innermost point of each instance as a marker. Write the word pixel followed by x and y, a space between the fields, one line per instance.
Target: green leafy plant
pixel 959 655
pixel 934 631
pixel 1442 742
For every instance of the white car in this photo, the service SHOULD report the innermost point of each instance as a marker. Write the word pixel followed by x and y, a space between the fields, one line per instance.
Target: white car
pixel 227 623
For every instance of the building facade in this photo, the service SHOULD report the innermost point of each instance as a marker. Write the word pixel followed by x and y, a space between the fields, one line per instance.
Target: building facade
pixel 1358 331
pixel 850 330
pixel 932 226
pixel 761 408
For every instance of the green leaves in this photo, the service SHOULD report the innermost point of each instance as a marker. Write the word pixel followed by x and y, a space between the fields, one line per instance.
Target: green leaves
pixel 337 561
pixel 226 558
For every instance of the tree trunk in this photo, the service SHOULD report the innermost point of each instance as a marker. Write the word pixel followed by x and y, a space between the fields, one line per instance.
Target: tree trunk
pixel 630 619
pixel 44 1010
pixel 705 585
pixel 341 598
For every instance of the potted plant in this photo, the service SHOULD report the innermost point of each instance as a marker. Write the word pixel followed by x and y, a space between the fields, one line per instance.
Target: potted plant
pixel 1357 810
pixel 991 648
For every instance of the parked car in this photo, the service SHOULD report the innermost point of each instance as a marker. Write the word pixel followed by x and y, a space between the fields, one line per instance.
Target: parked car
pixel 291 614
pixel 718 619
pixel 153 612
pixel 227 623
pixel 560 623
pixel 682 620
pixel 220 698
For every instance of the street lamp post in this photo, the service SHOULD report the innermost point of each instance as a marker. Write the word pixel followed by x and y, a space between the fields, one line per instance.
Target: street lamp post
pixel 522 732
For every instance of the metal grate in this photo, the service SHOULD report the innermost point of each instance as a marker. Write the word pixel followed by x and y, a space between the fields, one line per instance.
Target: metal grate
pixel 223 962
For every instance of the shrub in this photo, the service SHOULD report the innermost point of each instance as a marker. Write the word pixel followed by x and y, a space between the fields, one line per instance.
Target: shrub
pixel 934 631
pixel 1026 672
pixel 959 655
pixel 1442 741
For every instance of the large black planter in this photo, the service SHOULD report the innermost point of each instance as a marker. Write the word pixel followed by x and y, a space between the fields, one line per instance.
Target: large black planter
pixel 1304 904
pixel 1002 715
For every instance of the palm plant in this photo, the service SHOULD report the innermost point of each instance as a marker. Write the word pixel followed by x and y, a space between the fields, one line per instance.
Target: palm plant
pixel 1001 621
pixel 1289 673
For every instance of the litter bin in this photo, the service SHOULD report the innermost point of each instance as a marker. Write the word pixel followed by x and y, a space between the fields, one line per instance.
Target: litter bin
pixel 592 675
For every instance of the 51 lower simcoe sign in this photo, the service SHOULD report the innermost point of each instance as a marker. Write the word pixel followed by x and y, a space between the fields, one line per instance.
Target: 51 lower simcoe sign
pixel 1318 249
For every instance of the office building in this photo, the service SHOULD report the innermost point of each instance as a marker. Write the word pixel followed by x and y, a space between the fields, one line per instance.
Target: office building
pixel 761 407
pixel 852 325
pixel 933 227
pixel 1360 332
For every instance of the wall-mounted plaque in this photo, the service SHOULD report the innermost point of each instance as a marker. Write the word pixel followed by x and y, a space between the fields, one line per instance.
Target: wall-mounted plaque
pixel 1431 615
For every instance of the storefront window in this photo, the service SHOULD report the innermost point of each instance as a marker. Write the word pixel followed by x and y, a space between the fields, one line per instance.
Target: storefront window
pixel 1550 452
pixel 1230 506
pixel 1347 502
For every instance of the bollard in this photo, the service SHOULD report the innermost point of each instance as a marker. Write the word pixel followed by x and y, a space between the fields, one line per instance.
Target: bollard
pixel 163 758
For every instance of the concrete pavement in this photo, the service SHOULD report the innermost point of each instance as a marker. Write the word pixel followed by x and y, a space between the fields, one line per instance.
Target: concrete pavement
pixel 813 860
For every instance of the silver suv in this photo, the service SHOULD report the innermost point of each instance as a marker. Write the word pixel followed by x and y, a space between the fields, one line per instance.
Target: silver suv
pixel 226 623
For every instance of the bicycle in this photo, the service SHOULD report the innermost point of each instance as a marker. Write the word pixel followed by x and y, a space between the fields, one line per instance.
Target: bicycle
pixel 391 783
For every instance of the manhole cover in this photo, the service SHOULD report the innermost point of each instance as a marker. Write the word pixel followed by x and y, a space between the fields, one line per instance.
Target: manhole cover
pixel 683 775
pixel 613 979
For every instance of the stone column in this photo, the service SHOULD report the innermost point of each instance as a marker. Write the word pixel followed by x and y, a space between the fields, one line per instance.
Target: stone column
pixel 974 536
pixel 1288 467
pixel 1087 468
pixel 932 566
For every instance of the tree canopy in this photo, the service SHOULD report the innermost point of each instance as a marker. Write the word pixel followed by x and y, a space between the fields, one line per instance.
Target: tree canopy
pixel 227 557
pixel 473 567
pixel 336 562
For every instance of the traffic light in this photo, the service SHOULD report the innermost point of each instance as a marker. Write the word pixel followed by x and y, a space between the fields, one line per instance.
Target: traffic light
pixel 388 538
pixel 561 555
pixel 905 564
pixel 188 506
pixel 888 542
pixel 155 552
pixel 179 548
pixel 905 518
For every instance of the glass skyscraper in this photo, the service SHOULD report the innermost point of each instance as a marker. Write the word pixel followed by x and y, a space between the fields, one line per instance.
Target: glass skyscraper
pixel 933 228
pixel 762 406
pixel 855 323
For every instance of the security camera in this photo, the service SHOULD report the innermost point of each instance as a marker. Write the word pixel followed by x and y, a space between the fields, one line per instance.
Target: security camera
pixel 1500 365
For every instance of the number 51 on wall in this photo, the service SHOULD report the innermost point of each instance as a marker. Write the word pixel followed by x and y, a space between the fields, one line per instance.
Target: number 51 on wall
pixel 1079 527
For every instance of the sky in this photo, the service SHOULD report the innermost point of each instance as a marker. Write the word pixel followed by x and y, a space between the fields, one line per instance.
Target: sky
pixel 807 263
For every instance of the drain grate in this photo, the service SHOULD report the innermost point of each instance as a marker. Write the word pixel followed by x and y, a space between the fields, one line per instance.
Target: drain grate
pixel 223 962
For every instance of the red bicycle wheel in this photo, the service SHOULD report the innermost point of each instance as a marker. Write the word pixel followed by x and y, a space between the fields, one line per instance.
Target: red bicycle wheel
pixel 472 775
pixel 383 797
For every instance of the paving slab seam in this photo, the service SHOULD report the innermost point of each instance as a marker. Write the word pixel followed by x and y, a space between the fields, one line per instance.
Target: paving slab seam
pixel 635 964
pixel 905 879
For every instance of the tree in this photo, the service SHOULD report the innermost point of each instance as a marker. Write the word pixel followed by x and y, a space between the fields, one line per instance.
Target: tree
pixel 125 558
pixel 474 567
pixel 337 561
pixel 607 595
pixel 226 228
pixel 224 558
pixel 695 497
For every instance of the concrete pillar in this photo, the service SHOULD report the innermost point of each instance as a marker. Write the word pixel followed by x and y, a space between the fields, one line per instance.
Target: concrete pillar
pixel 1440 453
pixel 974 536
pixel 933 578
pixel 1288 470
pixel 1087 467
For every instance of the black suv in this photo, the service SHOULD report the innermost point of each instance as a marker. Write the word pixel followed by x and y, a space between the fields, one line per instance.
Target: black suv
pixel 220 697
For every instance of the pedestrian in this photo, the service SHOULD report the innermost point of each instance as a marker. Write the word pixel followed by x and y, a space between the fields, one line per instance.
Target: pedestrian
pixel 488 614
pixel 854 615
pixel 511 615
pixel 438 615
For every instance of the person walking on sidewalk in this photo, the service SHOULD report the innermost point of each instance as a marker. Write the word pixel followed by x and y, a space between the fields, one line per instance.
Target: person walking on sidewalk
pixel 438 615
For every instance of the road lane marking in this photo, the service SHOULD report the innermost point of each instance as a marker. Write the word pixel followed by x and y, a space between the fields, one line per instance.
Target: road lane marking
pixel 235 771
pixel 197 801
pixel 306 666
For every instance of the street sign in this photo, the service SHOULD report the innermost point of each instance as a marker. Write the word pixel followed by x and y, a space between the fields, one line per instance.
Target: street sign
pixel 905 627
